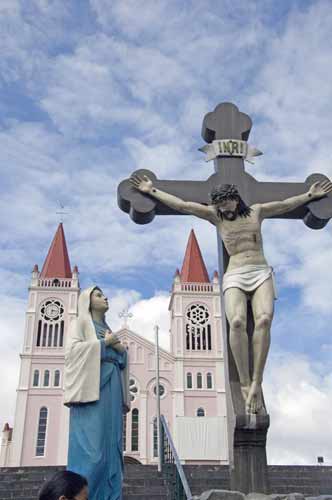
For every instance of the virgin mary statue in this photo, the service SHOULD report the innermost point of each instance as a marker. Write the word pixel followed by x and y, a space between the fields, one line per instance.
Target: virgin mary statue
pixel 97 392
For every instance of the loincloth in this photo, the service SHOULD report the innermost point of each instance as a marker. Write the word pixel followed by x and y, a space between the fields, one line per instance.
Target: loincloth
pixel 248 278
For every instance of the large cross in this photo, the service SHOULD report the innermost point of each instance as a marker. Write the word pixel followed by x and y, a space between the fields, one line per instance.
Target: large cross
pixel 226 130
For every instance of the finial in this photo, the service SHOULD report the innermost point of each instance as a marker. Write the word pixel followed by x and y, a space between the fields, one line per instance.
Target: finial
pixel 61 212
pixel 125 314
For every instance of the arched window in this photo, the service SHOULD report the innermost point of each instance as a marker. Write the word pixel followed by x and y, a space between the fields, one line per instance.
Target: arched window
pixel 56 334
pixel 46 378
pixel 155 438
pixel 199 381
pixel 189 381
pixel 62 325
pixel 134 429
pixel 57 378
pixel 39 333
pixel 209 380
pixel 41 436
pixel 44 334
pixel 124 432
pixel 198 329
pixel 50 335
pixel 201 412
pixel 35 382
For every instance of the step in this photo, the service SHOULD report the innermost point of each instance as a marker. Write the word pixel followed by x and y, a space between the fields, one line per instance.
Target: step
pixel 23 483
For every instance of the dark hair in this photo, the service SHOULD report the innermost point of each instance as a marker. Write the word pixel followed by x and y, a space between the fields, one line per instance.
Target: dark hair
pixel 63 482
pixel 229 192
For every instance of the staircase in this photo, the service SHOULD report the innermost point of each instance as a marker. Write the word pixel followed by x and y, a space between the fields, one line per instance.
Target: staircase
pixel 23 483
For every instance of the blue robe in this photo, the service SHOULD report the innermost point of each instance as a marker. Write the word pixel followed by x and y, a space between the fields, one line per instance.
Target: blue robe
pixel 95 430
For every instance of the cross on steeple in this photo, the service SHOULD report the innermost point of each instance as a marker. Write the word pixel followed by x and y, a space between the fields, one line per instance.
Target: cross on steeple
pixel 61 212
pixel 125 315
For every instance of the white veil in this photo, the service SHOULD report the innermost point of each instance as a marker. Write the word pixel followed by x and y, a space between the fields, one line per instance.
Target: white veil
pixel 82 358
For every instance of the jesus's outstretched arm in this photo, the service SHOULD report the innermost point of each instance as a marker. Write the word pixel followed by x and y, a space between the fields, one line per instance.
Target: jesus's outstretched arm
pixel 145 185
pixel 317 190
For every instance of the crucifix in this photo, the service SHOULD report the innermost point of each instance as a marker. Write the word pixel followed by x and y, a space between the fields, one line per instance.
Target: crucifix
pixel 236 204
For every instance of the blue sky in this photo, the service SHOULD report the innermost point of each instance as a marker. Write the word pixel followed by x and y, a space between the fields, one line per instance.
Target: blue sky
pixel 92 90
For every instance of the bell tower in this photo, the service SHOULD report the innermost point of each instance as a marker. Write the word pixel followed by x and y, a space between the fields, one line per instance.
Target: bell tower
pixel 40 434
pixel 196 338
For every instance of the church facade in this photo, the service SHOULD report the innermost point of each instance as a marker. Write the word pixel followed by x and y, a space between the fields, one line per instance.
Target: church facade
pixel 192 381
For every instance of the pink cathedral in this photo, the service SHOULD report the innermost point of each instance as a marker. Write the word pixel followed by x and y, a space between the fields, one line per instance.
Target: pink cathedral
pixel 192 381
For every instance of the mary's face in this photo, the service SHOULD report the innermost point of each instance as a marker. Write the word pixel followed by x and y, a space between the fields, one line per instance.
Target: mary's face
pixel 98 301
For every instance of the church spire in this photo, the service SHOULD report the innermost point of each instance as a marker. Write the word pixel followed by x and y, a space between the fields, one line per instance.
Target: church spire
pixel 193 267
pixel 57 263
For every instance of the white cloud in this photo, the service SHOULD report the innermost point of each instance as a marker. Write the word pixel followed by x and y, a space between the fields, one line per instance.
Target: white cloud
pixel 132 93
pixel 12 315
pixel 298 398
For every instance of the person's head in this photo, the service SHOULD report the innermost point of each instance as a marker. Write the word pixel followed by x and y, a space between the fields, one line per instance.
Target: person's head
pixel 65 485
pixel 228 202
pixel 98 301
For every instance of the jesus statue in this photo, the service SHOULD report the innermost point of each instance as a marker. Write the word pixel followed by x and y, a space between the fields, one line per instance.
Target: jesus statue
pixel 248 275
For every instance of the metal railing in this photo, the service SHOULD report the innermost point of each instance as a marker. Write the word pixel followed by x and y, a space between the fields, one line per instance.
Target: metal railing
pixel 171 466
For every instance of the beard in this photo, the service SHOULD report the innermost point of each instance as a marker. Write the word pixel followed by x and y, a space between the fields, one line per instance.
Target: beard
pixel 229 215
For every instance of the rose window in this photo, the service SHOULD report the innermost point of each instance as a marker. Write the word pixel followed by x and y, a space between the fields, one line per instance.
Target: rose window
pixel 198 328
pixel 198 314
pixel 133 389
pixel 52 310
pixel 162 390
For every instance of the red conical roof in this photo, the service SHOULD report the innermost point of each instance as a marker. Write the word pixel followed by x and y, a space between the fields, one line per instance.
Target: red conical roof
pixel 193 267
pixel 57 263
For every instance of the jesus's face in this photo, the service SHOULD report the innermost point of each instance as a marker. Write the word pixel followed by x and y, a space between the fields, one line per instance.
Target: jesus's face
pixel 228 208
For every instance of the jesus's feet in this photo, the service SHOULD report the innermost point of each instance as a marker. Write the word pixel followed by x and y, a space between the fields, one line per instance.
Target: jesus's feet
pixel 254 402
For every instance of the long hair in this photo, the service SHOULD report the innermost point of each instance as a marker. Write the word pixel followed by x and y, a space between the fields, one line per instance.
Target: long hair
pixel 63 483
pixel 229 192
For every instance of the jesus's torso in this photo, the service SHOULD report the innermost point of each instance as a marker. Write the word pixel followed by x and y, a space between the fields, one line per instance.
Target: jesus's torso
pixel 243 240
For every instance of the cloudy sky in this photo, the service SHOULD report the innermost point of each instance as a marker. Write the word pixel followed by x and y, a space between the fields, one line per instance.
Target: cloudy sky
pixel 94 89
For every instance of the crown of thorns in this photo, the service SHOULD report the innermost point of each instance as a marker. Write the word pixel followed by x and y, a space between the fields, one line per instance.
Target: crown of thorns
pixel 224 192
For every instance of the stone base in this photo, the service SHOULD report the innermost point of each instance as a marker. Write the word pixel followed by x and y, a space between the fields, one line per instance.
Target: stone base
pixel 249 471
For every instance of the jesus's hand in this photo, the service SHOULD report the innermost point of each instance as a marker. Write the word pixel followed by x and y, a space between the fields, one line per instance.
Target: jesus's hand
pixel 142 184
pixel 320 189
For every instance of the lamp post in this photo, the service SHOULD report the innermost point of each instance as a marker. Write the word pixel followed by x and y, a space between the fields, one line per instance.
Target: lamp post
pixel 156 330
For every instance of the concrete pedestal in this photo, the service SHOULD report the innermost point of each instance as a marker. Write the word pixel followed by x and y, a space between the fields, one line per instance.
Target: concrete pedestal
pixel 249 471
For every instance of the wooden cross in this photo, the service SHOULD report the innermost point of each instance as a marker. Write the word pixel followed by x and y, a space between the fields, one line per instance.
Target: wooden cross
pixel 225 122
